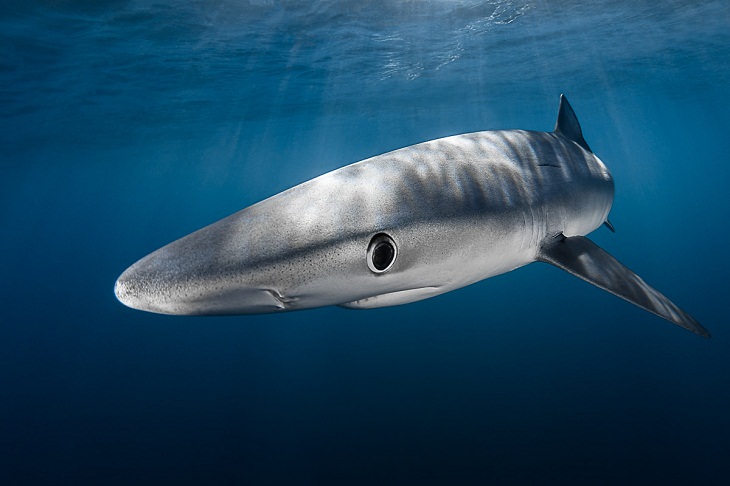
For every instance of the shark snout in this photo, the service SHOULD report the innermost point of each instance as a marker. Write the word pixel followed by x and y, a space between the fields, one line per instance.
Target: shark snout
pixel 135 289
pixel 125 291
pixel 162 285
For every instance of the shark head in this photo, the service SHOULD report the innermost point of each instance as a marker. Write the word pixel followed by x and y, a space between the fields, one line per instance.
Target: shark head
pixel 344 238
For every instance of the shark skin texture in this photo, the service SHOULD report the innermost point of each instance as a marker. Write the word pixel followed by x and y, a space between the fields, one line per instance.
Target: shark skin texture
pixel 401 227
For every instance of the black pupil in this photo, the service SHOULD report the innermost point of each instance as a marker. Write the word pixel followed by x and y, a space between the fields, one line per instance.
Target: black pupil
pixel 383 254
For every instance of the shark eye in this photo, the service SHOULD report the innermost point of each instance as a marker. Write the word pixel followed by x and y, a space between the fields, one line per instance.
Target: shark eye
pixel 382 252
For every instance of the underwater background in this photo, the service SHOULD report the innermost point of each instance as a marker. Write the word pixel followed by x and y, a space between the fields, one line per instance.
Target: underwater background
pixel 127 124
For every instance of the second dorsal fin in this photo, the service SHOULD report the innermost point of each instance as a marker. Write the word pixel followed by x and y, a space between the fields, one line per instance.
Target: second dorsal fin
pixel 567 124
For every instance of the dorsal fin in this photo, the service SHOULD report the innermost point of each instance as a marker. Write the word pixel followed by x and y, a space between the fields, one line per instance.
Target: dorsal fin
pixel 567 124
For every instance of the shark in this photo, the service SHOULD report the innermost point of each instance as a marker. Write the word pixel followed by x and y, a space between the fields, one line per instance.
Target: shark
pixel 401 227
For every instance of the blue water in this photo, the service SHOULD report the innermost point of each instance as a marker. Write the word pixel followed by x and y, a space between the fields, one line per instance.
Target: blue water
pixel 127 124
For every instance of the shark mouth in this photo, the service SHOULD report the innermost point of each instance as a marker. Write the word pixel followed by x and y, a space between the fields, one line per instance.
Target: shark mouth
pixel 394 298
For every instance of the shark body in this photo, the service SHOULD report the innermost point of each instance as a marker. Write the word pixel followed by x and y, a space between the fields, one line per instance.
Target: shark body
pixel 401 227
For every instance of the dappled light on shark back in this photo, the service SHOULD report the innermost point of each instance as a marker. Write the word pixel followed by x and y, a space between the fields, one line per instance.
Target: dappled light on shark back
pixel 401 227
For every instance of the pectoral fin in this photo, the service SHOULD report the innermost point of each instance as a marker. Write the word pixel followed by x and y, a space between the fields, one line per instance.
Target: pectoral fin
pixel 583 258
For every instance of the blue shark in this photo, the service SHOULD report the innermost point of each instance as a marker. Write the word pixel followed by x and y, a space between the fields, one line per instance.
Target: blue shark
pixel 401 227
